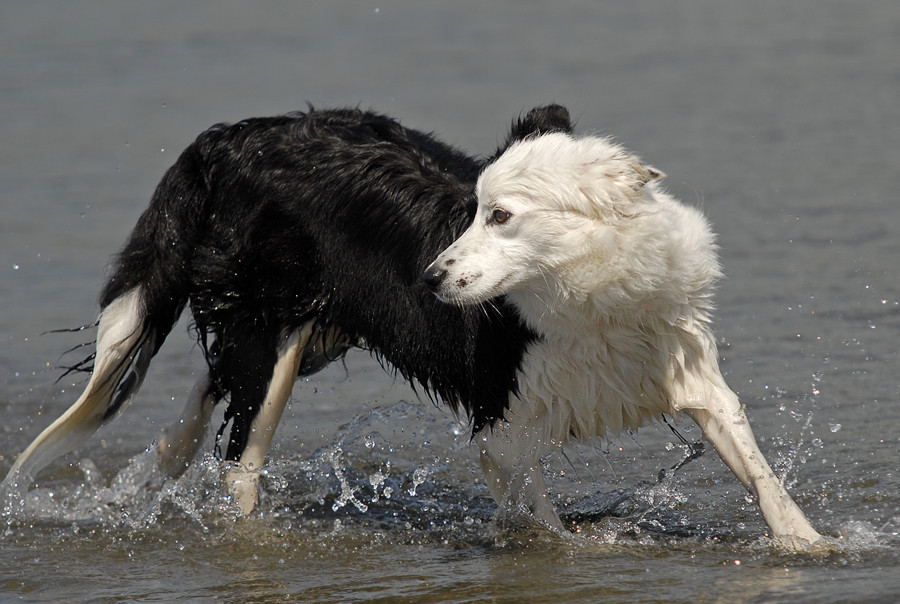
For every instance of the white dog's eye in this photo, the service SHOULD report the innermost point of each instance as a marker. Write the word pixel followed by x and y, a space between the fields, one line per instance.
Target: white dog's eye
pixel 500 216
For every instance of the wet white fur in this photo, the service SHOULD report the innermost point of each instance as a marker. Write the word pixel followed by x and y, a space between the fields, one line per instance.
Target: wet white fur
pixel 616 276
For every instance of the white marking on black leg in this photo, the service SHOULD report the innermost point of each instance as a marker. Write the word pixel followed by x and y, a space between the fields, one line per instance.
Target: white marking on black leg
pixel 243 476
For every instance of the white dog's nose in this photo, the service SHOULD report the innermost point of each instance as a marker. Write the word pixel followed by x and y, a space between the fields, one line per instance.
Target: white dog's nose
pixel 434 276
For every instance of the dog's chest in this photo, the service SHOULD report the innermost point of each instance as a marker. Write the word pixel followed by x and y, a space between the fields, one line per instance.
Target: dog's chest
pixel 594 384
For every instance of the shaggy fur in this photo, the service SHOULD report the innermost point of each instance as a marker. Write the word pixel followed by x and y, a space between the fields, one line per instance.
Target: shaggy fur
pixel 573 295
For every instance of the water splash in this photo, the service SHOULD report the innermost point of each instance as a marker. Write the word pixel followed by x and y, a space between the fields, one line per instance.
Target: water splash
pixel 795 452
pixel 376 458
pixel 398 468
pixel 136 498
pixel 418 478
pixel 348 492
pixel 643 511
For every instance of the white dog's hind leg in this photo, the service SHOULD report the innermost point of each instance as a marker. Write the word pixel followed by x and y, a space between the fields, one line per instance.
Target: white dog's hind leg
pixel 180 441
pixel 511 462
pixel 243 477
pixel 725 425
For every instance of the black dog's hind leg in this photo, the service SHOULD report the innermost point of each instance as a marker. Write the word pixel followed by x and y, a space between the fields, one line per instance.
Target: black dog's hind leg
pixel 259 392
pixel 180 441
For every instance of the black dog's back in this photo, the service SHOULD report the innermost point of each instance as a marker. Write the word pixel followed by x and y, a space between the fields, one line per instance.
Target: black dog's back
pixel 334 217
pixel 328 216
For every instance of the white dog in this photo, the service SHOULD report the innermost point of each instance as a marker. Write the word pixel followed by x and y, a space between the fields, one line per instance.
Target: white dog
pixel 616 278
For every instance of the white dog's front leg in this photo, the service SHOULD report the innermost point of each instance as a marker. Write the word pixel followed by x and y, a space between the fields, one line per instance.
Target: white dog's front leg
pixel 511 462
pixel 725 425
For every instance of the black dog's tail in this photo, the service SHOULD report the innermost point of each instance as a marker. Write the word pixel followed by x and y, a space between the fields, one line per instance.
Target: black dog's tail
pixel 140 303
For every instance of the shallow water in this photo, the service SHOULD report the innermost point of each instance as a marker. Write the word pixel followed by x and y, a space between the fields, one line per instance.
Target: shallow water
pixel 779 119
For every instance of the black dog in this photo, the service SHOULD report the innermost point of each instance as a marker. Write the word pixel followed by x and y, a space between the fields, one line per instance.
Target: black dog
pixel 294 239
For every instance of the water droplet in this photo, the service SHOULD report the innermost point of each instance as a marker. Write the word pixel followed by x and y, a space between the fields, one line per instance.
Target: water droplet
pixel 834 427
pixel 418 478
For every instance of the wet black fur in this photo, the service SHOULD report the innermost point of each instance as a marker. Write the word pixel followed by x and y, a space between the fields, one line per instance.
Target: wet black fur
pixel 333 215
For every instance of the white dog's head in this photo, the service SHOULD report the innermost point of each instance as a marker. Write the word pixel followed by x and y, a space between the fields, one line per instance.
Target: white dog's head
pixel 550 216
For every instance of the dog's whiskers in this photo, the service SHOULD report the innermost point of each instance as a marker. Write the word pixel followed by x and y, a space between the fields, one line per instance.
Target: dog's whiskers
pixel 546 305
pixel 493 306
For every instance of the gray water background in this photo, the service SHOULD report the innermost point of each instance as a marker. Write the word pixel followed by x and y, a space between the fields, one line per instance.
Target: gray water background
pixel 780 119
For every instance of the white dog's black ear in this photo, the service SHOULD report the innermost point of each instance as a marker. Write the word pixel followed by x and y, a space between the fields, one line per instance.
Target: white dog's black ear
pixel 540 120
